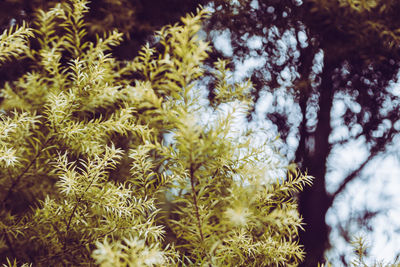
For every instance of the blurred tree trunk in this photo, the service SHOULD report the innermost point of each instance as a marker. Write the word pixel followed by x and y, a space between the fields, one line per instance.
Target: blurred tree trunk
pixel 312 154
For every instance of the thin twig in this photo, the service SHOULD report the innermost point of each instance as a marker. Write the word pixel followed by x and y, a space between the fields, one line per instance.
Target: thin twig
pixel 350 178
pixel 9 244
pixel 19 178
pixel 194 196
pixel 375 150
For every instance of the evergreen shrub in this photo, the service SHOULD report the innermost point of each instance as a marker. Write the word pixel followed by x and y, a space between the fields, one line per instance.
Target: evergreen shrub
pixel 115 163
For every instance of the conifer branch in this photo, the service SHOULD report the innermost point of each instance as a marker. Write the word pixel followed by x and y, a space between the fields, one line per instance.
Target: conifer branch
pixel 194 197
pixel 18 179
pixel 197 212
pixel 79 199
pixel 13 42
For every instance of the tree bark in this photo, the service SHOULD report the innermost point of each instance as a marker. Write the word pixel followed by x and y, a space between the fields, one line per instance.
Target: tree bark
pixel 314 201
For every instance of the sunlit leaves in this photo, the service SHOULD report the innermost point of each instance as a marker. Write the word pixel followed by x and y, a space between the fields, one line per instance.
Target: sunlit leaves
pixel 129 252
pixel 180 61
pixel 15 132
pixel 14 42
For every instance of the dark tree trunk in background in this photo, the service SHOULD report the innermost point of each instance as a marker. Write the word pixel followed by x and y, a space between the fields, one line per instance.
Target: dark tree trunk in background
pixel 312 153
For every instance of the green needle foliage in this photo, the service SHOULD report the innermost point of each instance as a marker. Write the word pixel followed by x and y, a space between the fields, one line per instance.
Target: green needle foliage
pixel 115 163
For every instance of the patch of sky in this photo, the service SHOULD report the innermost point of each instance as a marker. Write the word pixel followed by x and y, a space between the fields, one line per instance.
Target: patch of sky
pixel 356 130
pixel 343 160
pixel 366 116
pixel 394 149
pixel 264 104
pixel 254 42
pixel 211 7
pixel 281 53
pixel 396 125
pixel 339 107
pixel 203 108
pixel 341 103
pixel 302 37
pixel 394 89
pixel 168 138
pixel 289 38
pixel 355 107
pixel 345 71
pixel 202 35
pixel 311 116
pixel 286 75
pixel 13 22
pixel 279 101
pixel 391 100
pixel 254 4
pixel 222 42
pixel 264 30
pixel 296 54
pixel 292 106
pixel 298 2
pixel 292 141
pixel 339 133
pixel 245 36
pixel 266 74
pixel 245 67
pixel 382 128
pixel 235 3
pixel 387 106
pixel 287 43
pixel 273 32
pixel 318 62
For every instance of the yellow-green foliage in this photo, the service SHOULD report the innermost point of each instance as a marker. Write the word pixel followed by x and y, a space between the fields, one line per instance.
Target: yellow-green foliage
pixel 111 163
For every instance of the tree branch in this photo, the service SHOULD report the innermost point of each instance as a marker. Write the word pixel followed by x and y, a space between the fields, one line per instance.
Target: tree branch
pixel 194 196
pixel 17 180
pixel 375 150
pixel 346 141
pixel 350 178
